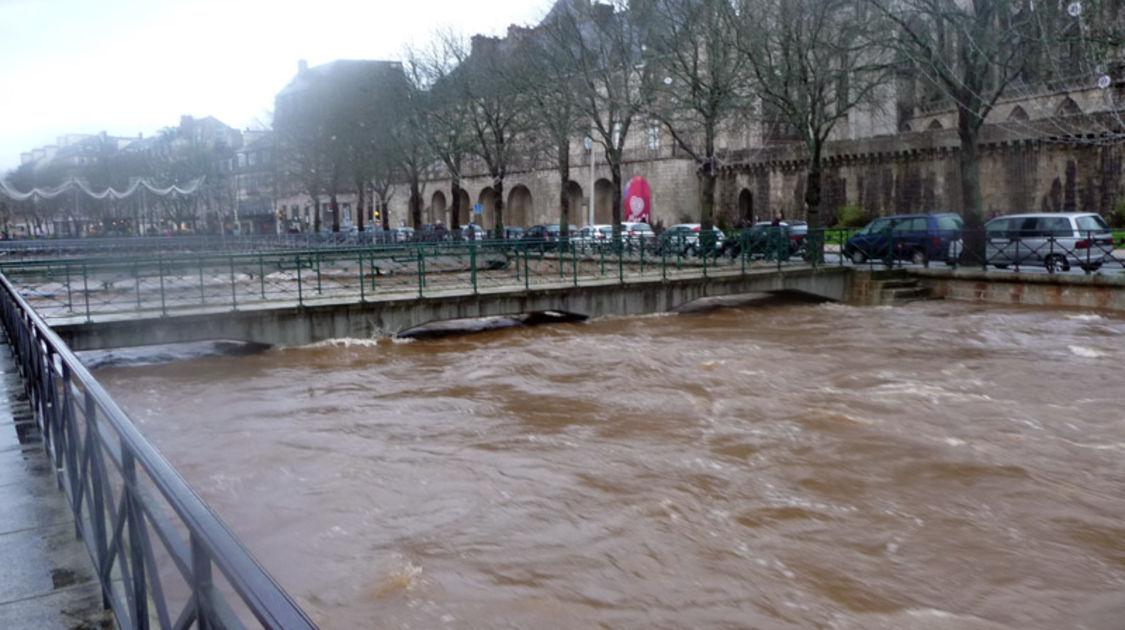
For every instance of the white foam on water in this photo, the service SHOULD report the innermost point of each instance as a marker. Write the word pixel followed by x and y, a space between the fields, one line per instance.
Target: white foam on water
pixel 398 340
pixel 952 441
pixel 1084 317
pixel 1086 352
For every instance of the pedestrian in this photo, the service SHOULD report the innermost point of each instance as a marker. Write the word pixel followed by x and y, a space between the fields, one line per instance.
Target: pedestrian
pixel 776 219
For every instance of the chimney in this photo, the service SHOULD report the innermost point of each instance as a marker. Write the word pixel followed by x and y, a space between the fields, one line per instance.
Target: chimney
pixel 302 66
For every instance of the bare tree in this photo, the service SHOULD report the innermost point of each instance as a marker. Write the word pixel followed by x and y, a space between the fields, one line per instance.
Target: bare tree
pixel 605 46
pixel 814 62
pixel 970 52
pixel 495 117
pixel 447 130
pixel 701 83
pixel 546 76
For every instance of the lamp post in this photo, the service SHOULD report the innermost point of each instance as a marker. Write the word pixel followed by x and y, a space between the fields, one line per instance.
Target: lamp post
pixel 588 142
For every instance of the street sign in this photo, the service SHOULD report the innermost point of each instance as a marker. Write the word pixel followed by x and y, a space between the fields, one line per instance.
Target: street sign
pixel 478 209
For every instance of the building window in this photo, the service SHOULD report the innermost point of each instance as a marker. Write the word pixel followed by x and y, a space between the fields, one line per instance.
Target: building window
pixel 654 135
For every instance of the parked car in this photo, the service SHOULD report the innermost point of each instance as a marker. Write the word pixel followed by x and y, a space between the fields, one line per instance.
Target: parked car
pixel 915 237
pixel 593 235
pixel 546 236
pixel 402 234
pixel 472 232
pixel 682 239
pixel 433 232
pixel 634 233
pixel 766 240
pixel 1056 241
pixel 512 232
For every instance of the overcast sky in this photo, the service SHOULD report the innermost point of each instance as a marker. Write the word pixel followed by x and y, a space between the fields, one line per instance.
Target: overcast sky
pixel 134 66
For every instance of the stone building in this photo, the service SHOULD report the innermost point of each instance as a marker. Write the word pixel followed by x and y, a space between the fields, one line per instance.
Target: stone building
pixel 1051 148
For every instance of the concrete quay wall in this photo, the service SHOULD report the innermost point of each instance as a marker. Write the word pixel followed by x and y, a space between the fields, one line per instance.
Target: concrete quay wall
pixel 1096 291
pixel 297 325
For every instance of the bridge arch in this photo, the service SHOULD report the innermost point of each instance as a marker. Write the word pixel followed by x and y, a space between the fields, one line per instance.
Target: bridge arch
pixel 520 206
pixel 465 209
pixel 438 207
pixel 578 210
pixel 487 200
pixel 746 207
pixel 603 201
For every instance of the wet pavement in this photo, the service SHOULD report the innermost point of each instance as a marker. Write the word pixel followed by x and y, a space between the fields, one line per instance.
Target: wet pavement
pixel 47 580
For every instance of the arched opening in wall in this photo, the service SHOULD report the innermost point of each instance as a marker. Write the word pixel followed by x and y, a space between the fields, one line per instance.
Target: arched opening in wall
pixel 1068 108
pixel 579 212
pixel 519 209
pixel 1019 114
pixel 745 207
pixel 934 124
pixel 487 200
pixel 603 201
pixel 437 208
pixel 466 209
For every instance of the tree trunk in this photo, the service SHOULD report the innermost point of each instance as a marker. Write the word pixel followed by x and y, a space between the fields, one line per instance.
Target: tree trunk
pixel 498 190
pixel 969 163
pixel 359 194
pixel 316 215
pixel 968 159
pixel 812 194
pixel 455 204
pixel 706 206
pixel 335 212
pixel 415 203
pixel 814 238
pixel 615 177
pixel 564 197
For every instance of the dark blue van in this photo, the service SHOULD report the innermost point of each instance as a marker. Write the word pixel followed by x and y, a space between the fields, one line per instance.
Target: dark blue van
pixel 918 238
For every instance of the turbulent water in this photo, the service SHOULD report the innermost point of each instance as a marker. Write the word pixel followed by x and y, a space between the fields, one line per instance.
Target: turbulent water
pixel 940 465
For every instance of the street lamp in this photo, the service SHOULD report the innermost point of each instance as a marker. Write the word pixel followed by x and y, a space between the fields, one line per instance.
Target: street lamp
pixel 588 142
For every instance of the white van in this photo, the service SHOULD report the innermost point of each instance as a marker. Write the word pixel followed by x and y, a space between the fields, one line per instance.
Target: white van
pixel 1056 241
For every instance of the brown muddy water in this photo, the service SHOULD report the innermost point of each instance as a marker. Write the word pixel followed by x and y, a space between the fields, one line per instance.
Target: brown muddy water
pixel 939 465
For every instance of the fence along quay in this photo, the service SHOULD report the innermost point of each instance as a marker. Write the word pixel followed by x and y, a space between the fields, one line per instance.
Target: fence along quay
pixel 153 542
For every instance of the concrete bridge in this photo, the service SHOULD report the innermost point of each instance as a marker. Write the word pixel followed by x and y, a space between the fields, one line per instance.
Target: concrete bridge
pixel 292 324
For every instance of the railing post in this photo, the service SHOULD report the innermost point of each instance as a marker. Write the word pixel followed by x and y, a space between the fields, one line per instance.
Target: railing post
pixel 233 288
pixel 160 273
pixel 473 262
pixel 319 286
pixel 69 298
pixel 86 289
pixel 137 283
pixel 300 292
pixel 526 270
pixel 202 287
pixel 574 261
pixel 362 295
pixel 201 583
pixel 621 261
pixel 133 514
pixel 97 483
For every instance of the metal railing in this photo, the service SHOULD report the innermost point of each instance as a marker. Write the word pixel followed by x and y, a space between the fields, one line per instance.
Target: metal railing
pixel 153 542
pixel 1089 251
pixel 82 289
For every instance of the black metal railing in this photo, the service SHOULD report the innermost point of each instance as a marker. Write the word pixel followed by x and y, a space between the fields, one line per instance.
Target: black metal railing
pixel 154 543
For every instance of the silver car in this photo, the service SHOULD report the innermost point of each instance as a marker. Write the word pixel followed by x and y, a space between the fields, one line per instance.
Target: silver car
pixel 1057 241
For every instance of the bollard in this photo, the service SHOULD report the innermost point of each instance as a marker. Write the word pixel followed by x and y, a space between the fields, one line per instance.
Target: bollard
pixel 300 293
pixel 233 294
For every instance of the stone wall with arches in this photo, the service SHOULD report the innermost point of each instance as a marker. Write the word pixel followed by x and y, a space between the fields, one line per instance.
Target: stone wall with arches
pixel 906 172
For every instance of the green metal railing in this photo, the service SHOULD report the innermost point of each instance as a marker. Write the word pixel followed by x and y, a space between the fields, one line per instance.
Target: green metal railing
pixel 163 284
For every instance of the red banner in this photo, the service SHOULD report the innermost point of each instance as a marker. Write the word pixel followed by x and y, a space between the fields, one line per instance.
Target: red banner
pixel 638 201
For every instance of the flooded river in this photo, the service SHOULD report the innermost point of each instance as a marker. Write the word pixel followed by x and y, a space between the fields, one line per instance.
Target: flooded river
pixel 939 465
